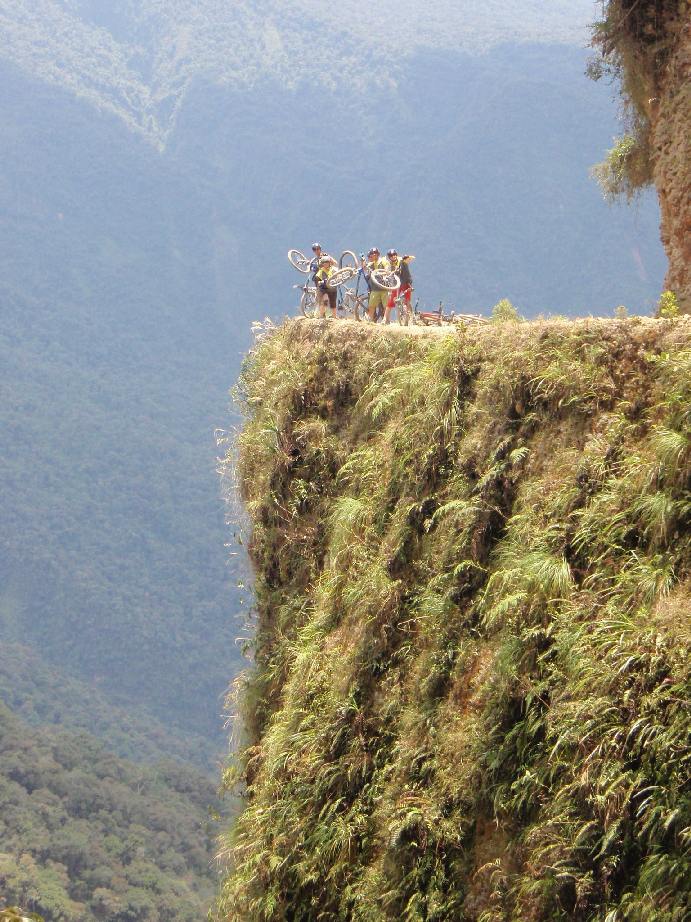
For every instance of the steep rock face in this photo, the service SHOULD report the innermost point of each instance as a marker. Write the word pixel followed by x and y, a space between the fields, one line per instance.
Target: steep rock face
pixel 472 581
pixel 670 122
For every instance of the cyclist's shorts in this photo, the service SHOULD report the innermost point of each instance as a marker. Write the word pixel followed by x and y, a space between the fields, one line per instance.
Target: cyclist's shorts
pixel 376 298
pixel 328 296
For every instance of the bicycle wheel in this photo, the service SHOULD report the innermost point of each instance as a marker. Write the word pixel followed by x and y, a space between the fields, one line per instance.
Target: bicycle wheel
pixel 403 311
pixel 350 303
pixel 299 261
pixel 308 302
pixel 340 276
pixel 348 260
pixel 385 279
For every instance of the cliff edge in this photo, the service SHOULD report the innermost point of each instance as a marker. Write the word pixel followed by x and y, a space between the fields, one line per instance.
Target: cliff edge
pixel 471 679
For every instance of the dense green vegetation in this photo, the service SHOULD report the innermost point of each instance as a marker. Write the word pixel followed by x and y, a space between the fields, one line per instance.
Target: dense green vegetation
pixel 86 836
pixel 16 914
pixel 39 693
pixel 113 375
pixel 107 557
pixel 470 698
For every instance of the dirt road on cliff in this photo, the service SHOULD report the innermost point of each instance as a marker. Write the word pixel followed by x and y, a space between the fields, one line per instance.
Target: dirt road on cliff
pixel 394 329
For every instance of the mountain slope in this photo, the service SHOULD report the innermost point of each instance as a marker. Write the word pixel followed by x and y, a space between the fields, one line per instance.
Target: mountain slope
pixel 41 694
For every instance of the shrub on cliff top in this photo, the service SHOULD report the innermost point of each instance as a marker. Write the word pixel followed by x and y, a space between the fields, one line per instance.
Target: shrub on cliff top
pixel 668 306
pixel 504 312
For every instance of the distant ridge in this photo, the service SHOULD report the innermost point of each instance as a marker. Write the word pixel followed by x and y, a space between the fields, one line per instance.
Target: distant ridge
pixel 139 63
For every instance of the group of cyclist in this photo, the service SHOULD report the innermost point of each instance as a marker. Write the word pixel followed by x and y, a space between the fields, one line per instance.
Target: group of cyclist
pixel 381 301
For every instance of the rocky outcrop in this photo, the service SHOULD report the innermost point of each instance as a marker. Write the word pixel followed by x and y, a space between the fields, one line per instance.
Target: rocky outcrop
pixel 670 122
pixel 646 44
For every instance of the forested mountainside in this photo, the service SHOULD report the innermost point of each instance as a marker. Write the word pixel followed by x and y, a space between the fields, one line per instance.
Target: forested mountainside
pixel 39 694
pixel 471 684
pixel 129 276
pixel 106 559
pixel 138 59
pixel 86 836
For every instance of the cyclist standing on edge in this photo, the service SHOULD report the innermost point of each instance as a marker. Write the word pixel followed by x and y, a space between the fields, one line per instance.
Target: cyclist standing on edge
pixel 377 296
pixel 325 295
pixel 318 253
pixel 399 265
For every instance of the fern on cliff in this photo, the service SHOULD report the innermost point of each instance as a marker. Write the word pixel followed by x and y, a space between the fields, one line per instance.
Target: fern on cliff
pixel 470 675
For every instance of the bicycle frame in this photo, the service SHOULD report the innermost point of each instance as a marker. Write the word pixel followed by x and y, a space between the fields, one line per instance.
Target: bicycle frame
pixel 404 308
pixel 357 288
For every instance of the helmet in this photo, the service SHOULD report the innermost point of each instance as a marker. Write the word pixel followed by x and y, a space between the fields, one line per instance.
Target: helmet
pixel 372 251
pixel 316 246
pixel 324 261
pixel 391 253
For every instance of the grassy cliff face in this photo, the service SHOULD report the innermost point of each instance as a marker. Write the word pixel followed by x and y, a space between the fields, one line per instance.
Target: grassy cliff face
pixel 472 579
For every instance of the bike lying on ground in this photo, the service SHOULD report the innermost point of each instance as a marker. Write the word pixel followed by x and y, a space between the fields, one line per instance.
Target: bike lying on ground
pixel 434 318
pixel 441 318
pixel 469 319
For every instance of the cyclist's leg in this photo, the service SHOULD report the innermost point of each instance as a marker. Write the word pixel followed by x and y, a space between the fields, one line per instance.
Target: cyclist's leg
pixel 390 304
pixel 331 294
pixel 381 304
pixel 322 298
pixel 371 306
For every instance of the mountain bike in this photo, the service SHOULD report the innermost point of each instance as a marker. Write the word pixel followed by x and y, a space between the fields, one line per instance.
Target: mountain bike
pixel 405 311
pixel 341 276
pixel 352 302
pixel 300 262
pixel 385 278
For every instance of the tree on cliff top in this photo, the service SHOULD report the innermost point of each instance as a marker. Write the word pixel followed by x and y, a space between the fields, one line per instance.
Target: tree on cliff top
pixel 646 45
